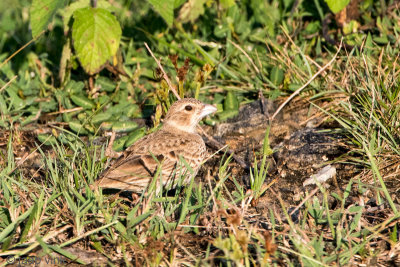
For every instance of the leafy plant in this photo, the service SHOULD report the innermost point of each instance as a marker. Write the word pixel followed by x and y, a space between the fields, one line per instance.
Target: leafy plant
pixel 258 173
pixel 96 32
pixel 239 51
pixel 337 5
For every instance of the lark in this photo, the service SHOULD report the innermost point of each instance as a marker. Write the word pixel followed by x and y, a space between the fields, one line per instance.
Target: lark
pixel 171 149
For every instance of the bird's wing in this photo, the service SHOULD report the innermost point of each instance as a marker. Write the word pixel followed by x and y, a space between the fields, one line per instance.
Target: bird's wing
pixel 136 168
pixel 135 172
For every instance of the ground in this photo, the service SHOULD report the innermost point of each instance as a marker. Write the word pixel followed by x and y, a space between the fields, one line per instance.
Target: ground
pixel 255 202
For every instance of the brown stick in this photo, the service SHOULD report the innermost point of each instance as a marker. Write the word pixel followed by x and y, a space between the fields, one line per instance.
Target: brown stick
pixel 164 74
pixel 8 83
pixel 246 55
pixel 307 83
pixel 22 48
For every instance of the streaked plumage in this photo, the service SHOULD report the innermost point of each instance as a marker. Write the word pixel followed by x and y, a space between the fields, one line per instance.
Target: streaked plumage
pixel 135 169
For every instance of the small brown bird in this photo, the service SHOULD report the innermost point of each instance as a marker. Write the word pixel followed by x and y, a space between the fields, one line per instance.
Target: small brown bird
pixel 176 139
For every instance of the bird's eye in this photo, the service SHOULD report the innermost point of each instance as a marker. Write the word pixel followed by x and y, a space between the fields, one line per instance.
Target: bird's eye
pixel 188 108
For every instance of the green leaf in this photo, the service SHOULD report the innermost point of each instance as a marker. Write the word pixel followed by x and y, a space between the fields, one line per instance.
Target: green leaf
pixel 42 12
pixel 351 27
pixel 226 114
pixel 337 5
pixel 135 135
pixel 73 87
pixel 77 127
pixel 10 228
pixel 221 30
pixel 124 126
pixel 381 39
pixel 101 117
pixel 96 34
pixel 368 42
pixel 47 139
pixel 67 254
pixel 135 220
pixel 70 9
pixel 178 3
pixel 3 105
pixel 165 8
pixel 119 143
pixel 105 84
pixel 227 3
pixel 15 100
pixel 393 235
pixel 82 101
pixel 276 76
pixel 231 102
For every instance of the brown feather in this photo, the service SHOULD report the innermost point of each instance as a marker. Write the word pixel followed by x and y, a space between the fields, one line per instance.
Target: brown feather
pixel 135 169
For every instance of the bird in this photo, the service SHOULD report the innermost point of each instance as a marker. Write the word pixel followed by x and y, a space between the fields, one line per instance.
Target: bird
pixel 177 139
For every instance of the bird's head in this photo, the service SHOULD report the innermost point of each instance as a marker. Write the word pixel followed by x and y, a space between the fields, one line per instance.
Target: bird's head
pixel 186 113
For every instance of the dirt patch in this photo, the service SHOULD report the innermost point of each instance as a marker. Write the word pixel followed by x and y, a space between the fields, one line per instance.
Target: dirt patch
pixel 302 146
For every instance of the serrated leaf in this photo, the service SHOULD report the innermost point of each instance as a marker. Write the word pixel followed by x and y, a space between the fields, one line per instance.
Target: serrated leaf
pixel 96 34
pixel 15 100
pixel 42 12
pixel 337 5
pixel 165 8
pixel 70 9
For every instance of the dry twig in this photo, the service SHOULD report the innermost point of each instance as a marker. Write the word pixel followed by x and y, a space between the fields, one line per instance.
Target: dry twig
pixel 307 83
pixel 248 57
pixel 8 83
pixel 171 87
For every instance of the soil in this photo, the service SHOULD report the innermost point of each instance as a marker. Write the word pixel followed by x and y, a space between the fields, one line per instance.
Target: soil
pixel 302 146
pixel 303 142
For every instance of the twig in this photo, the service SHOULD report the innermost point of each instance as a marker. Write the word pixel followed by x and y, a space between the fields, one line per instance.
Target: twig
pixel 8 83
pixel 307 83
pixel 65 111
pixel 19 50
pixel 49 236
pixel 109 150
pixel 308 57
pixel 25 157
pixel 248 57
pixel 304 201
pixel 164 74
pixel 73 240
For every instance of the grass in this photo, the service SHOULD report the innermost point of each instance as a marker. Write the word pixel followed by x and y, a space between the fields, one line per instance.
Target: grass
pixel 47 208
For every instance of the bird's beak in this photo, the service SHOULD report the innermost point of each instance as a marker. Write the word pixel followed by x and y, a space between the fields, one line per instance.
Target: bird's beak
pixel 207 110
